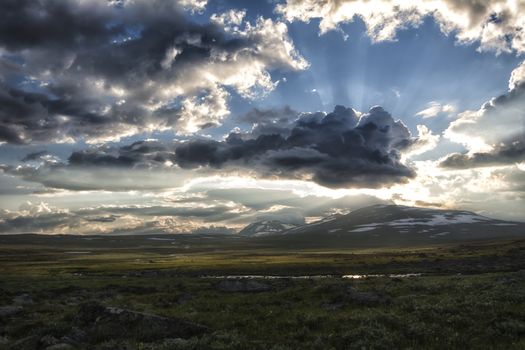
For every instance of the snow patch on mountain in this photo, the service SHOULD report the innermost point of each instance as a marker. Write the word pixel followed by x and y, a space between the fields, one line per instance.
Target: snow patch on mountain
pixel 266 227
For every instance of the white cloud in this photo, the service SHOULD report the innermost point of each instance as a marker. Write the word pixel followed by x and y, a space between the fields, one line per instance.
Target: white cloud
pixel 434 109
pixel 194 5
pixel 210 108
pixel 517 76
pixel 150 80
pixel 171 54
pixel 245 71
pixel 426 141
pixel 496 24
pixel 498 121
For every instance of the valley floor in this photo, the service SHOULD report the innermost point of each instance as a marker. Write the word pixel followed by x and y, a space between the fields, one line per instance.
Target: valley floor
pixel 72 296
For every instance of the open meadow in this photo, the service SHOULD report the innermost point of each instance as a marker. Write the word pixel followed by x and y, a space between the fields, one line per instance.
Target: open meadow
pixel 70 292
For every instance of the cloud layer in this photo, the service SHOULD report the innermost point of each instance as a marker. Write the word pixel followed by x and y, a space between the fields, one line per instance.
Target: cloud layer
pixel 99 71
pixel 337 149
pixel 494 134
pixel 496 24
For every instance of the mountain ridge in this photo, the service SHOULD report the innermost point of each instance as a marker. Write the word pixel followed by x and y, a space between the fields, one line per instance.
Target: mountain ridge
pixel 402 223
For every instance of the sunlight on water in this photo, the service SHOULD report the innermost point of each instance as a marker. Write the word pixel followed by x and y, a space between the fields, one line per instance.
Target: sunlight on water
pixel 271 277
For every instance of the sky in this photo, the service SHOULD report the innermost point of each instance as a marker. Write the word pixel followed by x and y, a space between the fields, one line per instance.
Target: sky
pixel 196 116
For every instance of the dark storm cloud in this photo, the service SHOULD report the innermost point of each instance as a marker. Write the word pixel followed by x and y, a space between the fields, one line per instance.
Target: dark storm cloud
pixel 337 149
pixel 139 154
pixel 26 24
pixel 505 153
pixel 95 70
pixel 46 33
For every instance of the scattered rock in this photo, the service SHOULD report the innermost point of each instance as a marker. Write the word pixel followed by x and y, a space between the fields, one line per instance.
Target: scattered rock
pixel 23 299
pixel 75 336
pixel 48 340
pixel 8 311
pixel 137 290
pixel 366 298
pixel 174 343
pixel 61 346
pixel 3 341
pixel 333 306
pixel 184 298
pixel 117 323
pixel 26 343
pixel 244 286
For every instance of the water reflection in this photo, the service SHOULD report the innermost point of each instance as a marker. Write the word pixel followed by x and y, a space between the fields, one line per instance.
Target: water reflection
pixel 272 277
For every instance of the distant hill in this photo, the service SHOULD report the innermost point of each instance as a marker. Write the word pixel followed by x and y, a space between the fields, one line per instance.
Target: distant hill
pixel 267 227
pixel 399 226
pixel 378 226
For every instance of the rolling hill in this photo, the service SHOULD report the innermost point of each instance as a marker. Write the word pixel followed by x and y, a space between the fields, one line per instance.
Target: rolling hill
pixel 395 225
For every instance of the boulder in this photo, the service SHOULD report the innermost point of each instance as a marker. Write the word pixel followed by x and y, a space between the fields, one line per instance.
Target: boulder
pixel 30 342
pixel 48 340
pixel 23 299
pixel 61 346
pixel 8 311
pixel 366 298
pixel 116 323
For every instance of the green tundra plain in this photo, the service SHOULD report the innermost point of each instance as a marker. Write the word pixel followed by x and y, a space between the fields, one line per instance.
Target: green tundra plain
pixel 74 292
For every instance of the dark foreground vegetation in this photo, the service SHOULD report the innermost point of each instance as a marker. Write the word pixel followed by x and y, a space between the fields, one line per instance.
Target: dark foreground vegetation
pixel 152 294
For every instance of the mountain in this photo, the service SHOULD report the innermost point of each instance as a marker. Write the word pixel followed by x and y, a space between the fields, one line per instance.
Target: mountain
pixel 267 227
pixel 383 225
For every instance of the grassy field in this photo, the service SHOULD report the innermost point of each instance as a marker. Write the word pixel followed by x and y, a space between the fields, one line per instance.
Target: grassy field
pixel 144 294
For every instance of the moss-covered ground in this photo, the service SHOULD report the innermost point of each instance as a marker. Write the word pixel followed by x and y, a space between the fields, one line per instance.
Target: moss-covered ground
pixel 467 297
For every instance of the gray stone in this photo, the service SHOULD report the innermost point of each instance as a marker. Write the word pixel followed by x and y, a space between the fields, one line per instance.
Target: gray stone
pixel 3 341
pixel 8 311
pixel 366 298
pixel 48 340
pixel 117 323
pixel 243 285
pixel 76 335
pixel 23 299
pixel 61 346
pixel 26 343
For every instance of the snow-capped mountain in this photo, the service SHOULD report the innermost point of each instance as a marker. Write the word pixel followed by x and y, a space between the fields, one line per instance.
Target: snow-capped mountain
pixel 267 227
pixel 393 224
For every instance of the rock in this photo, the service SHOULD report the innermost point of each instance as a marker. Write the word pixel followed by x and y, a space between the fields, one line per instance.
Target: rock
pixel 61 346
pixel 3 341
pixel 244 286
pixel 366 298
pixel 333 306
pixel 8 311
pixel 175 343
pixel 184 298
pixel 75 336
pixel 26 343
pixel 23 299
pixel 117 323
pixel 136 290
pixel 48 340
pixel 90 312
